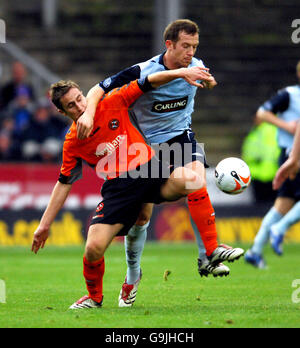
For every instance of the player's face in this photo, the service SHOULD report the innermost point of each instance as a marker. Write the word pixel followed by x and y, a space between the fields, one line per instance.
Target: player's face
pixel 74 103
pixel 182 51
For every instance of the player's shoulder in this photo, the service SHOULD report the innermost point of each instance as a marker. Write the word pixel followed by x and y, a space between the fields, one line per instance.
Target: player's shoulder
pixel 151 64
pixel 71 136
pixel 292 89
pixel 197 62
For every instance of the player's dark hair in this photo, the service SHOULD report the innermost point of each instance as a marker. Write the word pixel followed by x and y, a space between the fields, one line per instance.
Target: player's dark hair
pixel 173 30
pixel 59 89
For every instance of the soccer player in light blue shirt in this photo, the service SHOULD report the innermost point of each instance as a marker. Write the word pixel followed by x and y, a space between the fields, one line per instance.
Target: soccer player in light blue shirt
pixel 286 209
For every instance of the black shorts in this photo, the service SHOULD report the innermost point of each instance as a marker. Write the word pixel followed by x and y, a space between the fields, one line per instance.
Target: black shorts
pixel 124 196
pixel 184 149
pixel 290 188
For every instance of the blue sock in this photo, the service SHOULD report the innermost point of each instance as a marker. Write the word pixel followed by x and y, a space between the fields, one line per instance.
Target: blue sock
pixel 262 236
pixel 134 246
pixel 288 220
pixel 199 241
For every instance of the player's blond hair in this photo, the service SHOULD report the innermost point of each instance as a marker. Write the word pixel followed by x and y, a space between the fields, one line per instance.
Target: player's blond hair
pixel 59 89
pixel 173 30
pixel 298 66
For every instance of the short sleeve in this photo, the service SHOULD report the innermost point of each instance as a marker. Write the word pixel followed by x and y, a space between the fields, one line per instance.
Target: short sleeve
pixel 278 103
pixel 120 79
pixel 124 96
pixel 71 169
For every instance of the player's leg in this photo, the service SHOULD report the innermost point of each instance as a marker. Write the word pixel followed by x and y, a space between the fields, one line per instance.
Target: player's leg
pixel 254 255
pixel 205 267
pixel 190 152
pixel 172 189
pixel 99 238
pixel 134 246
pixel 203 214
pixel 205 222
pixel 291 189
pixel 193 157
pixel 180 183
pixel 134 243
pixel 279 229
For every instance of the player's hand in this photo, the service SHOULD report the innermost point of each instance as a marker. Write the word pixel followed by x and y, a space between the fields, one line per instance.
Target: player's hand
pixel 39 239
pixel 288 170
pixel 84 125
pixel 209 84
pixel 197 73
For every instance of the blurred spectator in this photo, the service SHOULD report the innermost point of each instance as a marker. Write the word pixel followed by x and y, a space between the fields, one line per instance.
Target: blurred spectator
pixel 8 124
pixel 20 109
pixel 9 150
pixel 10 90
pixel 261 152
pixel 42 138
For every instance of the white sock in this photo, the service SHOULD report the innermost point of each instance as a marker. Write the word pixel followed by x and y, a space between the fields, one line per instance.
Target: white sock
pixel 199 241
pixel 134 246
pixel 287 220
pixel 262 236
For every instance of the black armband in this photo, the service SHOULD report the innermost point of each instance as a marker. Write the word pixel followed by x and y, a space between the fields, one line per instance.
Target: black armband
pixel 145 85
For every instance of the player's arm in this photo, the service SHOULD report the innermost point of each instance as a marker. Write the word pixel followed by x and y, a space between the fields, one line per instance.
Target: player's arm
pixel 71 171
pixel 279 103
pixel 290 168
pixel 295 153
pixel 210 84
pixel 270 117
pixel 86 122
pixel 131 92
pixel 57 200
pixel 191 75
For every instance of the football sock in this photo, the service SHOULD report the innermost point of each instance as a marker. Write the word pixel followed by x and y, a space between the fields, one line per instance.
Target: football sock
pixel 203 214
pixel 134 246
pixel 287 220
pixel 93 273
pixel 201 248
pixel 262 236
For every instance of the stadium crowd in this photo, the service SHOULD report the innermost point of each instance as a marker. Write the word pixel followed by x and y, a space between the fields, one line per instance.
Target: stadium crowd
pixel 30 128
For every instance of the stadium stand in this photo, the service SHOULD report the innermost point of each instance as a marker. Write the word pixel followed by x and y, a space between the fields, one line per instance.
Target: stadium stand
pixel 95 39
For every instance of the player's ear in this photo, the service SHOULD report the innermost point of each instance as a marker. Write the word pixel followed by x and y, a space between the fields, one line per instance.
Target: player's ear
pixel 62 112
pixel 169 44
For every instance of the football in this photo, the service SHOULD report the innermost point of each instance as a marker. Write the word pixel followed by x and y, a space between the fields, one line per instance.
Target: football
pixel 232 175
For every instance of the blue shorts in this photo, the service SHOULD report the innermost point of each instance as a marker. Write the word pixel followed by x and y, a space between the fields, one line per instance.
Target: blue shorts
pixel 184 149
pixel 290 188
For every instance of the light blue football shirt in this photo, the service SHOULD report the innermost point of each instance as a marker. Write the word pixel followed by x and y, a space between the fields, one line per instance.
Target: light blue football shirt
pixel 286 104
pixel 165 112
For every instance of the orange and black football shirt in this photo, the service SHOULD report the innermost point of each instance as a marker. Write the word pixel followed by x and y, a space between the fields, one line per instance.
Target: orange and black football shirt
pixel 115 145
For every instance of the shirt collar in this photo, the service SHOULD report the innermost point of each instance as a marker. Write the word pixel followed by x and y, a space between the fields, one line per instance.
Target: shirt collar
pixel 161 60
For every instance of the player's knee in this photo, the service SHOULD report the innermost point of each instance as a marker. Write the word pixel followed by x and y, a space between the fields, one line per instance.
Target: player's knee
pixel 143 219
pixel 188 181
pixel 144 215
pixel 93 251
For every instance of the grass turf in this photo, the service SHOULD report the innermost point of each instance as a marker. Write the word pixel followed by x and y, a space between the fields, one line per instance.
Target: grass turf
pixel 40 288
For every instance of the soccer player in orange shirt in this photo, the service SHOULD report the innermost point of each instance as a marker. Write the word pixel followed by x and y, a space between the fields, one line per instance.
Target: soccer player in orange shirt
pixel 118 151
pixel 165 116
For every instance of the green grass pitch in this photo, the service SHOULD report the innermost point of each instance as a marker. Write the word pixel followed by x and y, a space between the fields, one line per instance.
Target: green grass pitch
pixel 40 288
